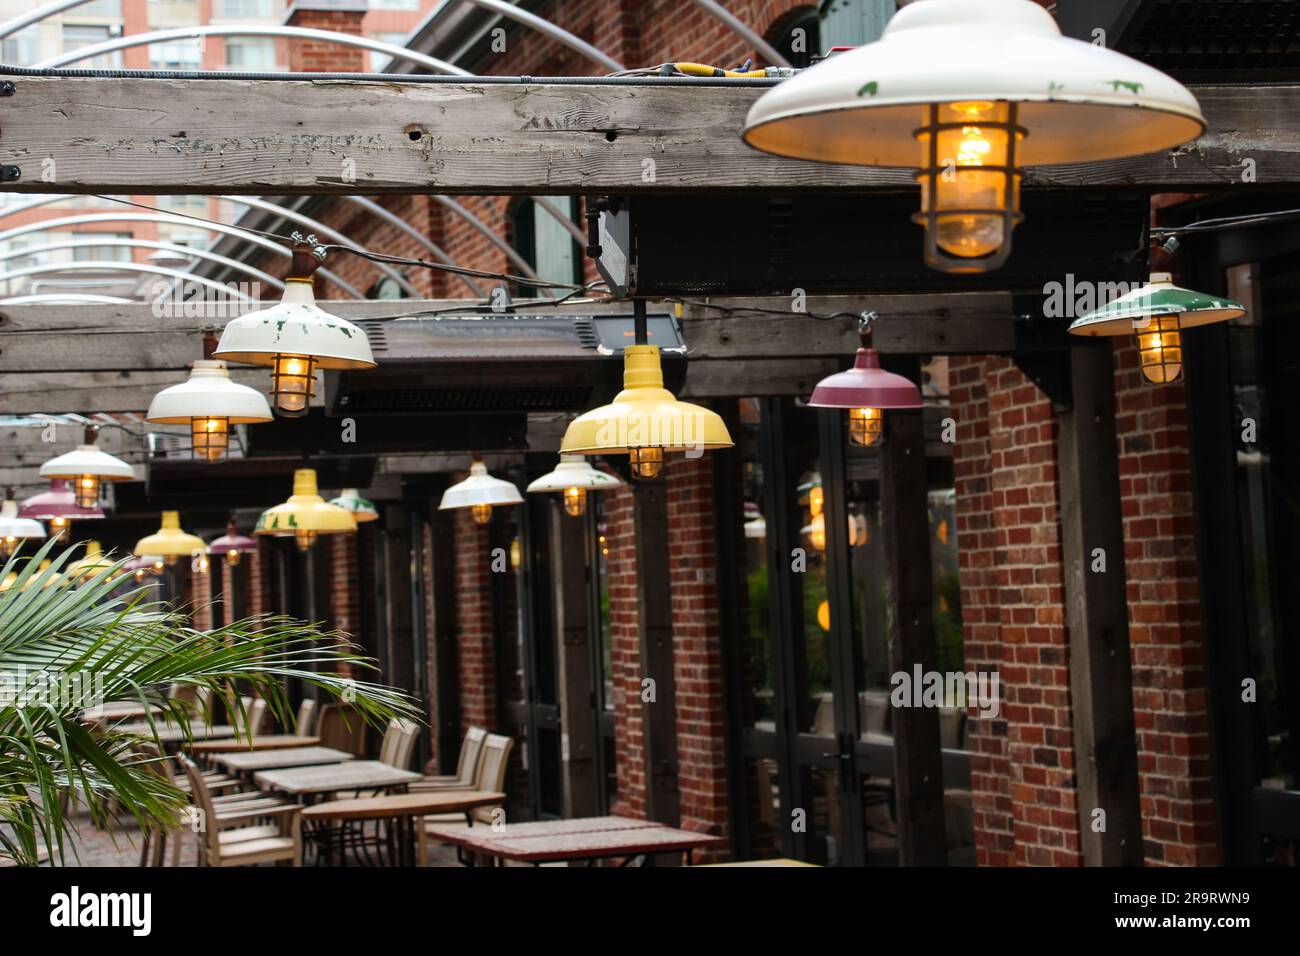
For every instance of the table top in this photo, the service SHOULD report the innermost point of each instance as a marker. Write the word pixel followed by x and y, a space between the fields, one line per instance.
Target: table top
pixel 260 742
pixel 404 805
pixel 780 861
pixel 355 775
pixel 584 838
pixel 245 762
pixel 171 733
pixel 119 709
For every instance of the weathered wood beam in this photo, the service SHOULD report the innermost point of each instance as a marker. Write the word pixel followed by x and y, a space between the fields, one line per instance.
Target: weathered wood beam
pixel 333 137
pixel 1096 612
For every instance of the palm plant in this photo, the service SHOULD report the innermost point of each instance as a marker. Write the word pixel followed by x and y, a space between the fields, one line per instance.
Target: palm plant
pixel 67 644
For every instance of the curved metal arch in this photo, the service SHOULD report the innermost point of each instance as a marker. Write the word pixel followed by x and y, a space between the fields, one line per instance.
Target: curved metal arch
pixel 558 215
pixel 511 253
pixel 123 267
pixel 86 218
pixel 329 233
pixel 113 242
pixel 395 220
pixel 40 13
pixel 237 30
pixel 742 30
pixel 88 298
pixel 512 12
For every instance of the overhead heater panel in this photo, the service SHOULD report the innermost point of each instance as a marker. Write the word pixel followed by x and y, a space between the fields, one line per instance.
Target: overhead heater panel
pixel 493 363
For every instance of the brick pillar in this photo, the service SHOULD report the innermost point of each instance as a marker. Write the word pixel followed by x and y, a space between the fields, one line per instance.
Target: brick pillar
pixel 474 620
pixel 620 570
pixel 257 579
pixel 1169 680
pixel 1009 515
pixel 344 582
pixel 697 651
pixel 201 600
pixel 317 56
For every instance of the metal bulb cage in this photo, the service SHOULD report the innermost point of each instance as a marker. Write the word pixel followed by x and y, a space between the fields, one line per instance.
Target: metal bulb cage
pixel 304 539
pixel 646 463
pixel 293 384
pixel 943 176
pixel 482 513
pixel 87 491
pixel 575 501
pixel 866 426
pixel 210 437
pixel 1161 350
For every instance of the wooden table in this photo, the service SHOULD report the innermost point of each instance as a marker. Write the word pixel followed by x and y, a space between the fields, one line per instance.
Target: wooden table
pixel 780 861
pixel 356 775
pixel 243 762
pixel 404 810
pixel 118 710
pixel 587 838
pixel 175 734
pixel 260 742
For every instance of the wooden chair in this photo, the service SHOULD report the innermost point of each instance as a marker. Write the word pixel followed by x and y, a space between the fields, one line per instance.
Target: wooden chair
pixel 398 743
pixel 304 724
pixel 471 748
pixel 492 770
pixel 255 713
pixel 224 842
pixel 342 728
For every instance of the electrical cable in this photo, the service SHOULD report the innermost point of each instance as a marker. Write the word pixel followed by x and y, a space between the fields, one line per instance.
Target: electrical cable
pixel 1227 222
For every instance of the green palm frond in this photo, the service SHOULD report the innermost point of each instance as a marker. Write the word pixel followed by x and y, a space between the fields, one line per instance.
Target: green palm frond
pixel 59 634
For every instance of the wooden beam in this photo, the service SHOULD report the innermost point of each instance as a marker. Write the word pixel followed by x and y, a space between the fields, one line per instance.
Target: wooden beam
pixel 655 624
pixel 574 646
pixel 918 756
pixel 337 137
pixel 1096 611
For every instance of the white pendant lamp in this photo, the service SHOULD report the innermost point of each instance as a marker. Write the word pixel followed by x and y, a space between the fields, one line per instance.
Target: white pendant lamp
pixel 480 492
pixel 13 529
pixel 968 92
pixel 295 338
pixel 574 477
pixel 87 467
pixel 209 402
pixel 363 509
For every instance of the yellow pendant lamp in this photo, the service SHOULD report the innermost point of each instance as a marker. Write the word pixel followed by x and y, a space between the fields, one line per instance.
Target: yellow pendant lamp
pixel 170 541
pixel 90 564
pixel 306 514
pixel 645 421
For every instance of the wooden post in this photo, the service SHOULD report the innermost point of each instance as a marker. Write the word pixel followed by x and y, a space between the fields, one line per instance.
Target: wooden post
pixel 399 633
pixel 918 755
pixel 1096 612
pixel 573 625
pixel 655 623
pixel 444 679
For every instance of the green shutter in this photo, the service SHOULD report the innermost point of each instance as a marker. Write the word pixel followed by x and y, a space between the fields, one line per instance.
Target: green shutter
pixel 854 22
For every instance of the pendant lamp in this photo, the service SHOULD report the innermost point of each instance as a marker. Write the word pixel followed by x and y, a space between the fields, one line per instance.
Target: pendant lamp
pixel 574 477
pixel 362 509
pixel 305 515
pixel 14 529
pixel 969 93
pixel 59 507
pixel 232 544
pixel 209 402
pixel 480 492
pixel 866 390
pixel 295 338
pixel 90 564
pixel 169 541
pixel 645 421
pixel 87 467
pixel 1156 313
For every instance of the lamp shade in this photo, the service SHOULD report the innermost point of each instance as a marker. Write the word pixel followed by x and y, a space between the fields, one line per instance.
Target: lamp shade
pixel 1078 102
pixel 296 325
pixel 1160 297
pixel 208 393
pixel 169 540
pixel 866 385
pixel 305 511
pixel 362 509
pixel 644 415
pixel 87 460
pixel 479 488
pixel 59 503
pixel 232 540
pixel 574 471
pixel 14 528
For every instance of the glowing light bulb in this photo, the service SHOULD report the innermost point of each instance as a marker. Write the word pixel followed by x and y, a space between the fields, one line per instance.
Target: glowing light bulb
pixel 1161 349
pixel 172 560
pixel 482 513
pixel 9 544
pixel 304 539
pixel 87 493
pixel 817 532
pixel 233 556
pixel 816 500
pixel 575 501
pixel 293 382
pixel 866 426
pixel 209 437
pixel 970 190
pixel 646 462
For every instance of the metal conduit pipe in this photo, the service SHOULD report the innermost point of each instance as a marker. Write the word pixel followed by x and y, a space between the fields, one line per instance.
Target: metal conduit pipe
pixel 376 209
pixel 512 12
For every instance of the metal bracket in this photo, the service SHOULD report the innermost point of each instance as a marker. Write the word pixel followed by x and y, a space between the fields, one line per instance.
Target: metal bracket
pixel 8 173
pixel 7 88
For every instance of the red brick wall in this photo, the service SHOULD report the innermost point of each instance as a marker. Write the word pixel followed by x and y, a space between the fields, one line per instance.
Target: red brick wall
pixel 1008 522
pixel 257 581
pixel 200 598
pixel 319 56
pixel 474 621
pixel 1169 680
pixel 620 570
